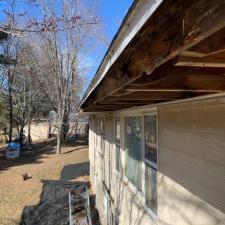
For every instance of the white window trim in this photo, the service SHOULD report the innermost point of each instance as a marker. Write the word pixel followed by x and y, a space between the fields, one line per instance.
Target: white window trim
pixel 141 113
pixel 151 164
pixel 152 113
pixel 117 173
pixel 130 184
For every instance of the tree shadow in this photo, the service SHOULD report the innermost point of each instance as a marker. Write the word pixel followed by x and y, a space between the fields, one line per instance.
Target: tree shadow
pixel 81 140
pixel 73 150
pixel 34 156
pixel 73 171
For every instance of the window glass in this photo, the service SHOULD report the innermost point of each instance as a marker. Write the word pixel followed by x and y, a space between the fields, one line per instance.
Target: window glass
pixel 151 188
pixel 117 127
pixel 151 138
pixel 133 169
pixel 117 130
pixel 118 158
pixel 102 133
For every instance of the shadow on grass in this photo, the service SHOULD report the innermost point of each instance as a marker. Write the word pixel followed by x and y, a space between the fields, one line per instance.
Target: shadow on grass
pixel 73 150
pixel 29 156
pixel 40 151
pixel 81 140
pixel 73 171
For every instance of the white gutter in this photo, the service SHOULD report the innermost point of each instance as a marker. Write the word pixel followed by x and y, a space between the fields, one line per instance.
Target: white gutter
pixel 137 16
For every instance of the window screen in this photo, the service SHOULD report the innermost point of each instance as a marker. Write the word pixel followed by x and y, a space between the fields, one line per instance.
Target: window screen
pixel 118 158
pixel 151 188
pixel 151 138
pixel 117 130
pixel 133 169
pixel 117 127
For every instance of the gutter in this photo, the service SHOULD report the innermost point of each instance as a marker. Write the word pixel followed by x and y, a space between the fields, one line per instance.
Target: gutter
pixel 137 16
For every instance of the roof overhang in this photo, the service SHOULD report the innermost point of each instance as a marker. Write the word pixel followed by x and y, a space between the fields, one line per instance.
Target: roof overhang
pixel 164 51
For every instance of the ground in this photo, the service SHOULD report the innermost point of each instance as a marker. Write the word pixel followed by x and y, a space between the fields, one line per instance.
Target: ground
pixel 41 163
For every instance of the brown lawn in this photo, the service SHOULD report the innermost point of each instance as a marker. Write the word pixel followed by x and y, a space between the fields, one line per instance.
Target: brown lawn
pixel 41 163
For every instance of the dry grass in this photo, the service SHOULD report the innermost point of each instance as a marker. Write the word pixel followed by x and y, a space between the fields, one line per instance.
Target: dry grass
pixel 15 193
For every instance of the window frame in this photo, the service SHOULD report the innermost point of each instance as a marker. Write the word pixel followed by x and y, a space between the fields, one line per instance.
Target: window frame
pixel 145 160
pixel 148 163
pixel 133 186
pixel 141 112
pixel 117 144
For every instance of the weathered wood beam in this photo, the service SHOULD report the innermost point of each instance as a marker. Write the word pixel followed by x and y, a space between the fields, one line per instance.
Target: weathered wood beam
pixel 186 83
pixel 168 70
pixel 120 93
pixel 200 62
pixel 173 89
pixel 141 95
pixel 212 44
pixel 203 20
pixel 192 54
pixel 126 102
pixel 102 108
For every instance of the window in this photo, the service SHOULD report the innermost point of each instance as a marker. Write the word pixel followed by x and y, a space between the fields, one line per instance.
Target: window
pixel 117 127
pixel 133 169
pixel 151 138
pixel 118 130
pixel 102 134
pixel 97 132
pixel 151 162
pixel 151 188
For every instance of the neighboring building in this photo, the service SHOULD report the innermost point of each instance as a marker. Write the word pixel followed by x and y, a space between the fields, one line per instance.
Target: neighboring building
pixel 39 129
pixel 157 117
pixel 42 128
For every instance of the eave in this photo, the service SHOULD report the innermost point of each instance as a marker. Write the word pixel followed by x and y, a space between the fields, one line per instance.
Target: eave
pixel 177 53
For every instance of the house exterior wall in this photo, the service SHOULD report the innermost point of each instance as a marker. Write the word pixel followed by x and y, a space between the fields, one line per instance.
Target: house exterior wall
pixel 191 167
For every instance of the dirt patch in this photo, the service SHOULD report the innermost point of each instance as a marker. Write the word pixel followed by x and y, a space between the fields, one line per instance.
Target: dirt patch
pixel 53 207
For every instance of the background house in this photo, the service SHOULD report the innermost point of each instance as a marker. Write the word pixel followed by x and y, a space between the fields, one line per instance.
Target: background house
pixel 157 117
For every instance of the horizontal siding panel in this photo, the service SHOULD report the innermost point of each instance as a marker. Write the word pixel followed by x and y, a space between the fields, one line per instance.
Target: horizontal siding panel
pixel 192 148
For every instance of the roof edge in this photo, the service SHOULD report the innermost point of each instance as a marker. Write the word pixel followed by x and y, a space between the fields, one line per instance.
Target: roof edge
pixel 136 17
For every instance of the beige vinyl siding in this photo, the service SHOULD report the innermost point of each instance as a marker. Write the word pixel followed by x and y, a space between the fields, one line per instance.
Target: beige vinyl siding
pixel 192 155
pixel 191 167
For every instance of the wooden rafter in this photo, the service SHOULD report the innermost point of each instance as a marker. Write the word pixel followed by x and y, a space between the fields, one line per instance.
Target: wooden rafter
pixel 142 96
pixel 186 83
pixel 200 61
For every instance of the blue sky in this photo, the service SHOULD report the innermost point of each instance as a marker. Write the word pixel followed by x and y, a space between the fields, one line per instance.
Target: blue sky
pixel 111 12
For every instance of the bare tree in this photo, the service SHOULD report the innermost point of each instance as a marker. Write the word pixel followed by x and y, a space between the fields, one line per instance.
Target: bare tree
pixel 61 37
pixel 61 50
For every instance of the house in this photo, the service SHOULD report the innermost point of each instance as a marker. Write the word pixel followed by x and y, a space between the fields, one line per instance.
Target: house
pixel 157 117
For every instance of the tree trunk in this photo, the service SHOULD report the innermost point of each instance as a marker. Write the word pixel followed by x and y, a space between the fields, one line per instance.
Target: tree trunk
pixel 59 138
pixel 21 135
pixel 66 134
pixel 10 106
pixel 28 135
